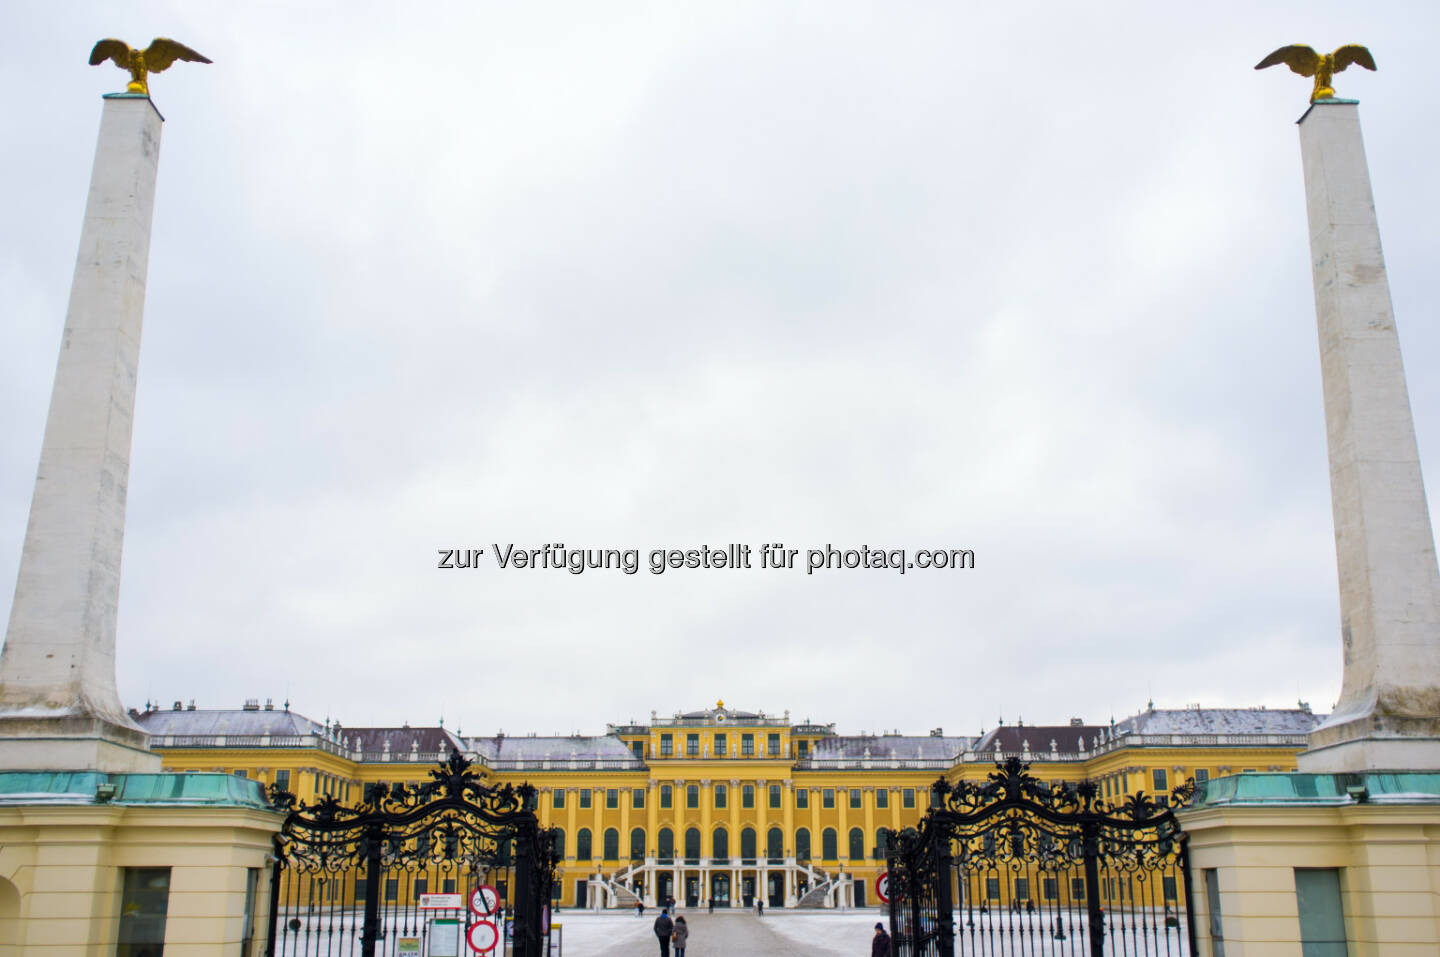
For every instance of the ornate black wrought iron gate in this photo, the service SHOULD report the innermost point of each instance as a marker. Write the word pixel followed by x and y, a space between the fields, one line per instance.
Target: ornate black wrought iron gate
pixel 1018 866
pixel 373 879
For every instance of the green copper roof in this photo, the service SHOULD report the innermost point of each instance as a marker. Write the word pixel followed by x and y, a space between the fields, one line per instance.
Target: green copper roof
pixel 1375 787
pixel 167 789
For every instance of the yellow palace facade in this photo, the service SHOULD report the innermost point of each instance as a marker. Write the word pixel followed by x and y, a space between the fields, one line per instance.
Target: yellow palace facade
pixel 721 807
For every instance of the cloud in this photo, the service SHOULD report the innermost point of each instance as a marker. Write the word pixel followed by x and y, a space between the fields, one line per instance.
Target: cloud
pixel 1032 283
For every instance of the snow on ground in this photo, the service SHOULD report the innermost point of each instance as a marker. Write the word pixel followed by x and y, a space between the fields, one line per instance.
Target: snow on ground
pixel 821 933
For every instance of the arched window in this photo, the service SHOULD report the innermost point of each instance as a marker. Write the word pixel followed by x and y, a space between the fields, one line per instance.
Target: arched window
pixel 882 837
pixel 612 844
pixel 692 843
pixel 582 845
pixel 747 844
pixel 857 844
pixel 802 844
pixel 637 844
pixel 667 844
pixel 560 841
pixel 828 851
pixel 774 844
pixel 720 844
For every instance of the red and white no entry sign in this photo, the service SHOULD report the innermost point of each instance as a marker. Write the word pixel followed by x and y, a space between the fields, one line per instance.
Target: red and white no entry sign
pixel 483 900
pixel 482 937
pixel 882 887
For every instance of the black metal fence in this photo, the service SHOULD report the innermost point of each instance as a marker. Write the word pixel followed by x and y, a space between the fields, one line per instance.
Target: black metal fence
pixel 1017 866
pixel 448 866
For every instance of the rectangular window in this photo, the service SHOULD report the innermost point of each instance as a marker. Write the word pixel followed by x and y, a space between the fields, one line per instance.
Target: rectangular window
pixel 1077 888
pixel 667 745
pixel 637 799
pixel 252 888
pixel 907 798
pixel 1202 775
pixel 692 745
pixel 637 748
pixel 719 745
pixel 1168 886
pixel 282 779
pixel 772 744
pixel 720 796
pixel 774 795
pixel 992 888
pixel 1212 904
pixel 747 795
pixel 1322 918
pixel 612 798
pixel 1022 888
pixel 1158 777
pixel 802 798
pixel 144 901
pixel 392 889
pixel 854 797
pixel 882 797
pixel 827 798
pixel 1050 887
pixel 447 886
pixel 665 798
pixel 240 773
pixel 692 795
pixel 557 799
pixel 803 748
pixel 747 744
pixel 584 798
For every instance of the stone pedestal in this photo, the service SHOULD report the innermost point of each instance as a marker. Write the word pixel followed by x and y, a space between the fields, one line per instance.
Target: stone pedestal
pixel 1388 715
pixel 59 707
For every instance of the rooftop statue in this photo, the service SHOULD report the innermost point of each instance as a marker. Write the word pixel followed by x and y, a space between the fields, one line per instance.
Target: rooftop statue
pixel 153 59
pixel 1306 62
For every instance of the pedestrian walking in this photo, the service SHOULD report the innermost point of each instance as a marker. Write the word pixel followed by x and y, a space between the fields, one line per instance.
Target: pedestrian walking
pixel 680 936
pixel 639 908
pixel 880 943
pixel 759 907
pixel 664 927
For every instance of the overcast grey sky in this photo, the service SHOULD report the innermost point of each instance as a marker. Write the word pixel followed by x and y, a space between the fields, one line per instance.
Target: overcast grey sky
pixel 1029 281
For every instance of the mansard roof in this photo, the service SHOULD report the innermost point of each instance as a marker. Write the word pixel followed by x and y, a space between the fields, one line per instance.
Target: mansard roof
pixel 890 746
pixel 401 740
pixel 1069 738
pixel 1220 721
pixel 226 722
pixel 559 750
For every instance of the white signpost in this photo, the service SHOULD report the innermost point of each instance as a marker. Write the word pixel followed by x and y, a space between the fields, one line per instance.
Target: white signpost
pixel 440 902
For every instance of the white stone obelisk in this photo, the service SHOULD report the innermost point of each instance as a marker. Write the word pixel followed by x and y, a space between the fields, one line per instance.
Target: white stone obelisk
pixel 1388 715
pixel 59 707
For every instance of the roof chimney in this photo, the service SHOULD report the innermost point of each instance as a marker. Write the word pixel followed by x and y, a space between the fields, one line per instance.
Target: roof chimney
pixel 252 704
pixel 1077 722
pixel 192 705
pixel 269 704
pixel 179 706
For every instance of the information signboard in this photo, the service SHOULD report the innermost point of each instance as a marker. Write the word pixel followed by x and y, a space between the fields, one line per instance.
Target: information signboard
pixel 444 937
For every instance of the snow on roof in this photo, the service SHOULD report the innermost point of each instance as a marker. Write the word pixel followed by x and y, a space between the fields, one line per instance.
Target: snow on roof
pixel 1219 721
pixel 215 722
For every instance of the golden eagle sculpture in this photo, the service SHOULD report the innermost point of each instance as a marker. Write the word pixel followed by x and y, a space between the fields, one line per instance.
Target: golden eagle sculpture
pixel 1322 66
pixel 156 57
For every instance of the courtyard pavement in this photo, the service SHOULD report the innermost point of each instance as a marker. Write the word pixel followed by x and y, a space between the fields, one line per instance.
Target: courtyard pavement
pixel 736 933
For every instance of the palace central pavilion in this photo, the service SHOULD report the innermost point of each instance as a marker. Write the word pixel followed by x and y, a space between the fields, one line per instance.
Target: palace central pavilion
pixel 723 807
